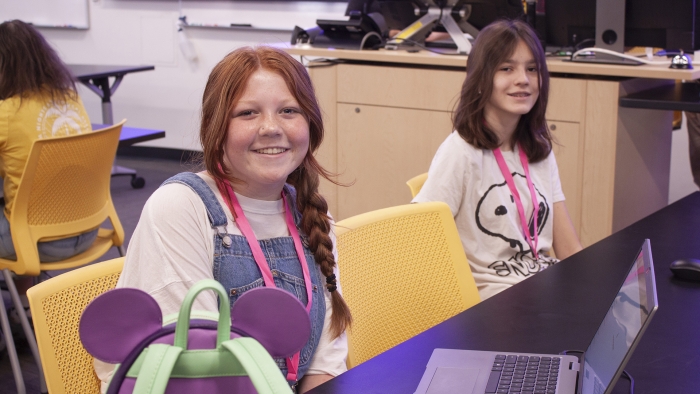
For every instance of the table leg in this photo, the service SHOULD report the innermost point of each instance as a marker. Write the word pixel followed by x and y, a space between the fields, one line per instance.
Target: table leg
pixel 107 112
pixel 137 182
pixel 101 87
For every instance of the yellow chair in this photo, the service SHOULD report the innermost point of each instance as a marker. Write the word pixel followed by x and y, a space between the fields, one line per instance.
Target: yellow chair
pixel 57 305
pixel 416 183
pixel 64 191
pixel 402 271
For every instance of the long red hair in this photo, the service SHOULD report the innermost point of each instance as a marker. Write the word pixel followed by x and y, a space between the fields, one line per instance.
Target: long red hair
pixel 225 86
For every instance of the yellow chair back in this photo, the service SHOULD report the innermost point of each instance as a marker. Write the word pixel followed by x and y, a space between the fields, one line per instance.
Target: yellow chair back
pixel 64 191
pixel 416 183
pixel 57 305
pixel 402 271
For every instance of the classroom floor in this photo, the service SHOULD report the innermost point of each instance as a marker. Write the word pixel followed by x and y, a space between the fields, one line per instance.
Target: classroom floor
pixel 128 203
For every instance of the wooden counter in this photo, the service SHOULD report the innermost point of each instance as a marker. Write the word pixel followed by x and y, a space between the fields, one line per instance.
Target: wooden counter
pixel 557 65
pixel 386 112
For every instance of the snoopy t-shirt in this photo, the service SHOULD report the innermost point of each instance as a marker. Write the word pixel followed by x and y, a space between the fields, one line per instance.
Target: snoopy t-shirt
pixel 469 180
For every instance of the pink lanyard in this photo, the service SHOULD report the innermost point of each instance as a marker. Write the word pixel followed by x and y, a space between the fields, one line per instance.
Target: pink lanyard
pixel 243 225
pixel 516 196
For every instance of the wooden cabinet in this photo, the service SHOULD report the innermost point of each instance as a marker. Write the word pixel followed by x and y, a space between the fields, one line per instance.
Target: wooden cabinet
pixel 564 118
pixel 425 89
pixel 404 114
pixel 404 142
pixel 568 147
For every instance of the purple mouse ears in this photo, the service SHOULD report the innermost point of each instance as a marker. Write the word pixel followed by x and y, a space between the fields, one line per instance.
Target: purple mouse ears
pixel 122 321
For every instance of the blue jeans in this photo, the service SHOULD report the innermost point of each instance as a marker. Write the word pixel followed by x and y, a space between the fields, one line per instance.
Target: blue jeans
pixel 48 251
pixel 235 268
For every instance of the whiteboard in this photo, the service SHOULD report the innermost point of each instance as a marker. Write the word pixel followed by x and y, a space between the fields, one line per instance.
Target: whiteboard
pixel 69 14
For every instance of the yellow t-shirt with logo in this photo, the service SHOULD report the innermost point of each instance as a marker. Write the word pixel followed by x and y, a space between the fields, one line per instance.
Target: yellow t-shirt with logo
pixel 27 119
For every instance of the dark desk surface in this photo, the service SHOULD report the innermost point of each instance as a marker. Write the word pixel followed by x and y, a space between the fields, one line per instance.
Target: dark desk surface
pixel 132 135
pixel 96 78
pixel 560 309
pixel 677 97
pixel 91 71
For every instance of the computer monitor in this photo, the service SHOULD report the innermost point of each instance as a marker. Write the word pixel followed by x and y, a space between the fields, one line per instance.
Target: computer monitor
pixel 483 12
pixel 417 18
pixel 671 25
pixel 398 14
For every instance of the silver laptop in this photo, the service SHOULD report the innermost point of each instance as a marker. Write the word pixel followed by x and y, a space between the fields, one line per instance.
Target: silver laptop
pixel 471 371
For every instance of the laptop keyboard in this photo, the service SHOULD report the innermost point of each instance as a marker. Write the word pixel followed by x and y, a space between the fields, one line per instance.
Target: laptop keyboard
pixel 523 374
pixel 598 387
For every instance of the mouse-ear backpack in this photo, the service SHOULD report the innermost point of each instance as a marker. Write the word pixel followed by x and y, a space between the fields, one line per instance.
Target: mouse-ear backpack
pixel 231 353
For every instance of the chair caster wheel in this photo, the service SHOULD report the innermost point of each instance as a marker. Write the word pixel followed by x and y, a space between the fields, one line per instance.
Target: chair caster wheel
pixel 138 182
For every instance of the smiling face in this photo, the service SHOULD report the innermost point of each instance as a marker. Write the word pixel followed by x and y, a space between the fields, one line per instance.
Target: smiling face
pixel 267 137
pixel 515 88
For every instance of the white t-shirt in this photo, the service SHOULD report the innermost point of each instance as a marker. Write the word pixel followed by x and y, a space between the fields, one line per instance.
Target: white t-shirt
pixel 469 180
pixel 172 248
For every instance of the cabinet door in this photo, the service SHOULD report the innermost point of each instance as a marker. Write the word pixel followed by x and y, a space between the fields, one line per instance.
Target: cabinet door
pixel 380 148
pixel 567 99
pixel 568 150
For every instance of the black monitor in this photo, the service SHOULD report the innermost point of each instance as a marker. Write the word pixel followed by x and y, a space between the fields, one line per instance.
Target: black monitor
pixel 470 15
pixel 397 14
pixel 668 24
pixel 483 12
pixel 371 22
pixel 416 19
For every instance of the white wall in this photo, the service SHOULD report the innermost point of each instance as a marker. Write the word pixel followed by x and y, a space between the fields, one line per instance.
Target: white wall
pixel 145 32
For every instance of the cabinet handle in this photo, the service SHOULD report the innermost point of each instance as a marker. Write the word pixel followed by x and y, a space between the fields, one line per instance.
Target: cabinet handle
pixel 553 127
pixel 357 110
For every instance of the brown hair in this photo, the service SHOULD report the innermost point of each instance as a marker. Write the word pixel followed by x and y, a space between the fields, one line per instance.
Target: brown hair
pixel 28 64
pixel 224 88
pixel 493 46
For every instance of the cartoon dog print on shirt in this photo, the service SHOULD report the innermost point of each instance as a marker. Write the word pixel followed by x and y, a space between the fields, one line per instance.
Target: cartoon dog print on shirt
pixel 492 219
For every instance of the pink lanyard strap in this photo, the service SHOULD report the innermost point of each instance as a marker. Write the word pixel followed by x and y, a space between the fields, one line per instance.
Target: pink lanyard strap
pixel 516 196
pixel 230 197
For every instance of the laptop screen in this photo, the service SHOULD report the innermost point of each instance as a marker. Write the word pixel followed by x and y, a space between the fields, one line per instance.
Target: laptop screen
pixel 617 335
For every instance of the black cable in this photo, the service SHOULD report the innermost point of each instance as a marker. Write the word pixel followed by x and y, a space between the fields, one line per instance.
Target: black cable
pixel 560 52
pixel 580 44
pixel 409 41
pixel 367 36
pixel 628 376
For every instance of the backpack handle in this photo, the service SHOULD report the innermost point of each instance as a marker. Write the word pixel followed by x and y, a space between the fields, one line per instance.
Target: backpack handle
pixel 223 331
pixel 255 360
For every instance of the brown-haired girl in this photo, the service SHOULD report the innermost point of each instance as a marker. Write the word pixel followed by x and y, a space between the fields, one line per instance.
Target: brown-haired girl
pixel 254 217
pixel 38 100
pixel 497 171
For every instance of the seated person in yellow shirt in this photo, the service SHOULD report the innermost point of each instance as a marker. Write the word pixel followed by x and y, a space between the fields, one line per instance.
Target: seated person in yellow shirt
pixel 38 99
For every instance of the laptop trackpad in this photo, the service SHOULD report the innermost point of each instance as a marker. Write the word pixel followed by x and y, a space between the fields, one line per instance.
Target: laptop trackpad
pixel 448 380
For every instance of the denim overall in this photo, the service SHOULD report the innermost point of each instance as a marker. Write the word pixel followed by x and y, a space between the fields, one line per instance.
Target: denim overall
pixel 235 267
